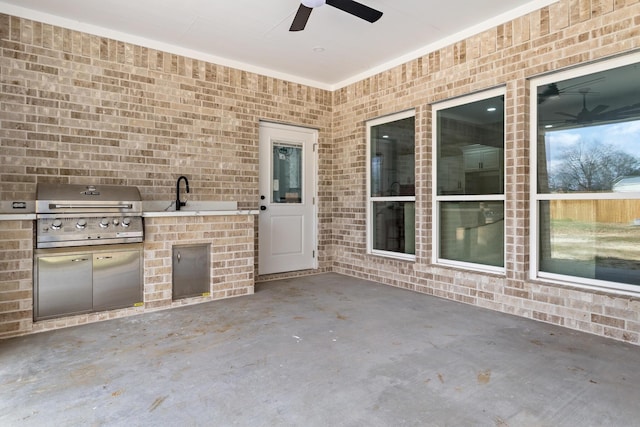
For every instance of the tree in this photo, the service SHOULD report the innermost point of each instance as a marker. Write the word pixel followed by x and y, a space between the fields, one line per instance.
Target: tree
pixel 591 167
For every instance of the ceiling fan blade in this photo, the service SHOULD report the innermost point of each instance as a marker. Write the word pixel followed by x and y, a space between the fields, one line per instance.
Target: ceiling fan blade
pixel 596 80
pixel 301 18
pixel 356 9
pixel 627 109
pixel 560 113
pixel 599 109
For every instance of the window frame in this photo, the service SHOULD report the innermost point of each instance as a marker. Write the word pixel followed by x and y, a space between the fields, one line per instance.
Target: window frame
pixel 437 199
pixel 371 199
pixel 536 198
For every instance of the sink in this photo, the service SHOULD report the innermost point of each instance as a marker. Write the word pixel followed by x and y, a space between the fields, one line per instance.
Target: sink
pixel 191 206
pixel 210 206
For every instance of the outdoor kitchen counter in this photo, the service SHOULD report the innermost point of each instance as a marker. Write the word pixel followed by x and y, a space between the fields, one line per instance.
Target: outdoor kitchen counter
pixel 229 232
pixel 17 210
pixel 160 208
pixel 17 217
pixel 228 236
pixel 152 214
pixel 158 214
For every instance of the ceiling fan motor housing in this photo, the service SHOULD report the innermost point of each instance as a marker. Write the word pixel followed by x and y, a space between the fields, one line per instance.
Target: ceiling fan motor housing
pixel 313 3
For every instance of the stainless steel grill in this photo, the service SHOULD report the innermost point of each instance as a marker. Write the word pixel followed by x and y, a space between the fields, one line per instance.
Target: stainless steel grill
pixel 86 215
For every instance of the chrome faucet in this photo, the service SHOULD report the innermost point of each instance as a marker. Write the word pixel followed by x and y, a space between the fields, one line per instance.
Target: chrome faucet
pixel 179 204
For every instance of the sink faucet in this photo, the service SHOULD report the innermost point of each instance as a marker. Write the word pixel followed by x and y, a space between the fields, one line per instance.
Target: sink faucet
pixel 179 204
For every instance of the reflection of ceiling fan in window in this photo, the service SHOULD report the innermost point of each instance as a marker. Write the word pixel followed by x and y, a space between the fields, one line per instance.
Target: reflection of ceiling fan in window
pixel 585 115
pixel 552 91
pixel 599 113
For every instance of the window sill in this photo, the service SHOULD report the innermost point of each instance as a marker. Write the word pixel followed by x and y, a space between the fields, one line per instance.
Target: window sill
pixel 393 255
pixel 478 268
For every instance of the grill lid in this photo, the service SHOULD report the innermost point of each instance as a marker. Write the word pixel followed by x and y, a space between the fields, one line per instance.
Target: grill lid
pixel 77 198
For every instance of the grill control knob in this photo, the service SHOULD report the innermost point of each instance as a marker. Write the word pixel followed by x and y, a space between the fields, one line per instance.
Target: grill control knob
pixel 82 223
pixel 56 224
pixel 126 222
pixel 104 223
pixel 115 221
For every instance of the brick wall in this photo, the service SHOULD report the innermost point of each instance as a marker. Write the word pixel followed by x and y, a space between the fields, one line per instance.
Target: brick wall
pixel 563 34
pixel 231 239
pixel 80 108
pixel 16 290
pixel 76 107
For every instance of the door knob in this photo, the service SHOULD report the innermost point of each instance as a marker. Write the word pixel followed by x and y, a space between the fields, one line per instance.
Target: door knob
pixel 263 208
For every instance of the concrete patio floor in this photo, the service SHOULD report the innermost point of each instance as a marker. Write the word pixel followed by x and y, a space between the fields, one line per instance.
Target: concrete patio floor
pixel 325 350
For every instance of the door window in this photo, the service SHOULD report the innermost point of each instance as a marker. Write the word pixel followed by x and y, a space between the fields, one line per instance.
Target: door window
pixel 286 181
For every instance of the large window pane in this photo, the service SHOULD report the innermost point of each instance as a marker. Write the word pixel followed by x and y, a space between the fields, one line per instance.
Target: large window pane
pixel 393 158
pixel 393 228
pixel 589 132
pixel 594 239
pixel 472 232
pixel 596 158
pixel 470 148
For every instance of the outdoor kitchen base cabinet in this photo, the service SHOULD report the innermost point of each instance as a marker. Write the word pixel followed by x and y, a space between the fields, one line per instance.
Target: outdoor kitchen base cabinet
pixel 191 271
pixel 80 280
pixel 63 285
pixel 116 279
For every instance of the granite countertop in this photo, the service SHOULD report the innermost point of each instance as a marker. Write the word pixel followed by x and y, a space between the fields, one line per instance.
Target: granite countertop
pixel 17 217
pixel 152 214
pixel 17 210
pixel 10 211
pixel 151 209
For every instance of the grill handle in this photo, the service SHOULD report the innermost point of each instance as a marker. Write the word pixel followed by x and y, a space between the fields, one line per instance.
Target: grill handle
pixel 77 206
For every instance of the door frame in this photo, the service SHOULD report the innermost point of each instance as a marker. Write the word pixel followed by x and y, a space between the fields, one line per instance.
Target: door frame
pixel 313 175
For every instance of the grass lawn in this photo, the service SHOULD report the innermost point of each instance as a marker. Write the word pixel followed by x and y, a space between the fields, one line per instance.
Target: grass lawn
pixel 592 246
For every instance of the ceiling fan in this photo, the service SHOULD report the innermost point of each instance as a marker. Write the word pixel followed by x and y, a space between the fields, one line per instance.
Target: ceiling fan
pixel 585 115
pixel 601 113
pixel 352 7
pixel 552 90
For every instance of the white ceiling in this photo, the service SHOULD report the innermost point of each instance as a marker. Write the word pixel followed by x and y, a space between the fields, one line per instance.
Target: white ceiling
pixel 254 35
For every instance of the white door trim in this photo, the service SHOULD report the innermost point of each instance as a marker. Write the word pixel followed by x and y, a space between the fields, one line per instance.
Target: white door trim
pixel 308 139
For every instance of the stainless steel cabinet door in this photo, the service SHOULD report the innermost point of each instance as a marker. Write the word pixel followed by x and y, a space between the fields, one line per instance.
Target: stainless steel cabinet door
pixel 63 285
pixel 191 271
pixel 117 279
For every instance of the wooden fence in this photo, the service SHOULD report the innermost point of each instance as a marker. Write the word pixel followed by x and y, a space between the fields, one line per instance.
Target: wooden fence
pixel 604 211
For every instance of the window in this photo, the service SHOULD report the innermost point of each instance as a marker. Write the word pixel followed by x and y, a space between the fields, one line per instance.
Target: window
pixel 391 186
pixel 586 182
pixel 287 173
pixel 469 181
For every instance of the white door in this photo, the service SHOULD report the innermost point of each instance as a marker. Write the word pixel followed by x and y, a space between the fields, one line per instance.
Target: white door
pixel 287 221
